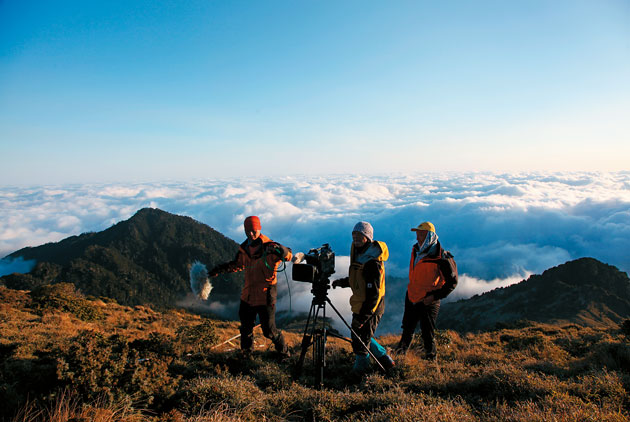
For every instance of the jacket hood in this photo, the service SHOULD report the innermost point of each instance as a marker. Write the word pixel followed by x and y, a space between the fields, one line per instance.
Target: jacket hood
pixel 376 251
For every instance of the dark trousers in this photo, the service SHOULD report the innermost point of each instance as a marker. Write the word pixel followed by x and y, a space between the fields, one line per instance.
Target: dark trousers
pixel 365 326
pixel 427 316
pixel 267 316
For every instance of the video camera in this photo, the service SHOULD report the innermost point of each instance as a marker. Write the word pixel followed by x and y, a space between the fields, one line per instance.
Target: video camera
pixel 320 264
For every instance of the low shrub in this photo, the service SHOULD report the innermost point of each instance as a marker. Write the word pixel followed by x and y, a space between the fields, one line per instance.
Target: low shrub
pixel 98 366
pixel 601 387
pixel 64 297
pixel 94 365
pixel 197 338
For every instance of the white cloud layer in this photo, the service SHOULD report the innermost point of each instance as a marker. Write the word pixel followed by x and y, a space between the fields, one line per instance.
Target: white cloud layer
pixel 500 227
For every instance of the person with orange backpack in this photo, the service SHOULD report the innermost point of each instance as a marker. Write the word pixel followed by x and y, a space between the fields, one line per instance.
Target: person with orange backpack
pixel 432 277
pixel 260 258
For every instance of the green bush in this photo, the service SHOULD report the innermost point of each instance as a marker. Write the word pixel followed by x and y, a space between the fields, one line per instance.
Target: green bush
pixel 156 343
pixel 64 297
pixel 111 367
pixel 94 365
pixel 197 338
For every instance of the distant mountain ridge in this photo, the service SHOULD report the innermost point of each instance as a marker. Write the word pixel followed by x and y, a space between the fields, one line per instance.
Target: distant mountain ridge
pixel 144 259
pixel 584 291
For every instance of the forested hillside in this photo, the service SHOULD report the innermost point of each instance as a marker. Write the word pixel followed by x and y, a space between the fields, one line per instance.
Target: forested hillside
pixel 584 291
pixel 143 260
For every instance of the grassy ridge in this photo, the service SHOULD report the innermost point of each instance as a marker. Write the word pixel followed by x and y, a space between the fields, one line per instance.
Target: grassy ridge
pixel 66 357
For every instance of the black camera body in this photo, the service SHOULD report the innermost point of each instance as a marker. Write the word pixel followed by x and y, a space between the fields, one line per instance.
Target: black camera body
pixel 320 264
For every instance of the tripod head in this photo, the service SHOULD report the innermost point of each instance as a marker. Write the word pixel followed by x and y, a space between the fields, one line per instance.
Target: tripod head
pixel 320 291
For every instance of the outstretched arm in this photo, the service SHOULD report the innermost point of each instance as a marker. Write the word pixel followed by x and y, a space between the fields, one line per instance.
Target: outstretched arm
pixel 341 282
pixel 237 264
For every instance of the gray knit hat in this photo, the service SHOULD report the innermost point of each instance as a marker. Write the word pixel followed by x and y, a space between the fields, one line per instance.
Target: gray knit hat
pixel 365 229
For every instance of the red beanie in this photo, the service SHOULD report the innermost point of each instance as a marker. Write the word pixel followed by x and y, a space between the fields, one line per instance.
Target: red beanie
pixel 252 223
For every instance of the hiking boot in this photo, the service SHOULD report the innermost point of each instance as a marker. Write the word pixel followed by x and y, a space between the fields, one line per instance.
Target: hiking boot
pixel 405 341
pixel 387 362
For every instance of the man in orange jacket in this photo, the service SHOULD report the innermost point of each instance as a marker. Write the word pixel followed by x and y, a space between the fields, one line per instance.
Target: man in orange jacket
pixel 432 276
pixel 260 258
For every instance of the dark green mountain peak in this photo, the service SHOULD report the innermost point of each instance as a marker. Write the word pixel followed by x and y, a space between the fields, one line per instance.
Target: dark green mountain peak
pixel 144 259
pixel 584 291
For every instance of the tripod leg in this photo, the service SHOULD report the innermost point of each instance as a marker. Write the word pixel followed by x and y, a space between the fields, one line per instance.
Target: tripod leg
pixel 366 347
pixel 307 339
pixel 319 355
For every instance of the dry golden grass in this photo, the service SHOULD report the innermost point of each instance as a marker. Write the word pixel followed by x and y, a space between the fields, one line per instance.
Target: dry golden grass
pixel 67 407
pixel 139 364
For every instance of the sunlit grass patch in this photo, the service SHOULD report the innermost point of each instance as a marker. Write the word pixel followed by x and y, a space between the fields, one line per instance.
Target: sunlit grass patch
pixel 239 393
pixel 555 407
pixel 167 366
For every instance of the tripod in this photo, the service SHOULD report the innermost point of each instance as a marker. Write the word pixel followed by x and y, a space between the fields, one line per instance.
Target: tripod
pixel 317 335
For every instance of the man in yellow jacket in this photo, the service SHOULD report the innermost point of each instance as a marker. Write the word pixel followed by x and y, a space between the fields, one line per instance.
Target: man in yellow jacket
pixel 432 276
pixel 367 281
pixel 260 258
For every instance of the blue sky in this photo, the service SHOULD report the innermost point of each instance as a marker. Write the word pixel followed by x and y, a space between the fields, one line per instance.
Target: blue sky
pixel 158 90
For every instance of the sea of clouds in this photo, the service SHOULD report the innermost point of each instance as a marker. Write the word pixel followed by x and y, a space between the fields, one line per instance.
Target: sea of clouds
pixel 500 227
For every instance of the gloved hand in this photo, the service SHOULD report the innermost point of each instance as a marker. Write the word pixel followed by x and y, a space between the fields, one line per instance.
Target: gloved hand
pixel 341 282
pixel 278 249
pixel 298 257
